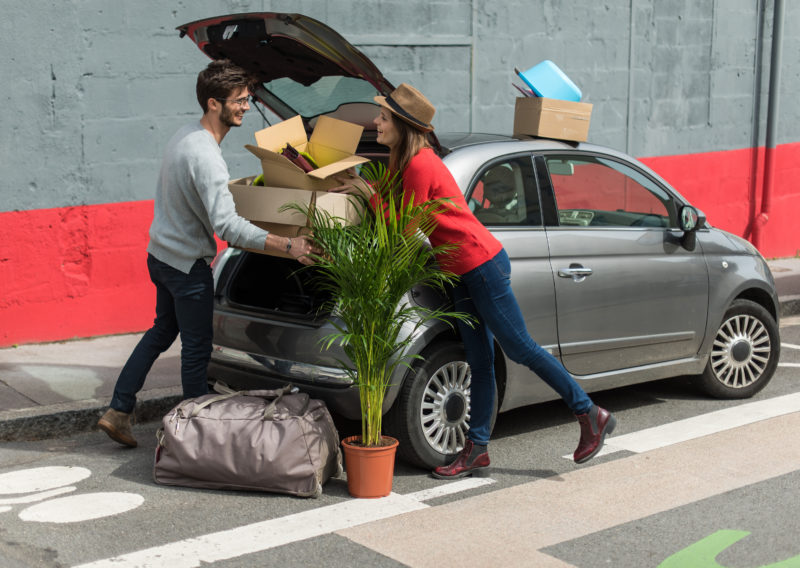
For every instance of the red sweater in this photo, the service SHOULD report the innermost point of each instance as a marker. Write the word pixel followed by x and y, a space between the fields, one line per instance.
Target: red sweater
pixel 426 178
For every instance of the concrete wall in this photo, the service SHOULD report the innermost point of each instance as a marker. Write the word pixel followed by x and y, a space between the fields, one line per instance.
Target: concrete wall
pixel 93 89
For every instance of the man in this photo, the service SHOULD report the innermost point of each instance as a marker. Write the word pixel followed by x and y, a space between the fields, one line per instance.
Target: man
pixel 192 203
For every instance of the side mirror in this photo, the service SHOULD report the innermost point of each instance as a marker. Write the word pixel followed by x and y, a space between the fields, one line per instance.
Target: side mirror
pixel 691 219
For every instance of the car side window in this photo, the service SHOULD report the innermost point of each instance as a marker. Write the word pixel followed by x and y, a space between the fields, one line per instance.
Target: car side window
pixel 600 192
pixel 505 194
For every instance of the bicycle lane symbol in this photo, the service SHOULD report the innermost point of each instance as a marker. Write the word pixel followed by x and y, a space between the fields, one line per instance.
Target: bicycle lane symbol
pixel 703 553
pixel 44 486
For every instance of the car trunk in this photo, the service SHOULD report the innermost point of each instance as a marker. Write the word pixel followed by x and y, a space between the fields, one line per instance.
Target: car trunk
pixel 277 286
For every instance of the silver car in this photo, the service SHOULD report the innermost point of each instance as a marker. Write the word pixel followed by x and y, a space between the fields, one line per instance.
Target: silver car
pixel 617 274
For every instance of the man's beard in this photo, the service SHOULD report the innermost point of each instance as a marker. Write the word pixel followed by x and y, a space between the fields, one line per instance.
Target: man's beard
pixel 227 117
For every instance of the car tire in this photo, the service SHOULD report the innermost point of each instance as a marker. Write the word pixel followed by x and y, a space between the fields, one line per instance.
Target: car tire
pixel 431 413
pixel 744 354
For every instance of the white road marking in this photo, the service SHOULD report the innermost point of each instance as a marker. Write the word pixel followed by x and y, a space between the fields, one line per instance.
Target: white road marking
pixel 41 479
pixel 702 425
pixel 450 488
pixel 257 537
pixel 5 509
pixel 83 507
pixel 795 365
pixel 36 497
pixel 790 345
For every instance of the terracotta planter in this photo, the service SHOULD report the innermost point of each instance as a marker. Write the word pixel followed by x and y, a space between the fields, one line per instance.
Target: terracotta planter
pixel 370 469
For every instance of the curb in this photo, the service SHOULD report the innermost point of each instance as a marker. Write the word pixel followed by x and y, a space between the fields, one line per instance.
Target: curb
pixel 66 419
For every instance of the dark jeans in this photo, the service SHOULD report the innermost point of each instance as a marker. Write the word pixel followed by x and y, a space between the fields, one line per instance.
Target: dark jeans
pixel 485 293
pixel 184 304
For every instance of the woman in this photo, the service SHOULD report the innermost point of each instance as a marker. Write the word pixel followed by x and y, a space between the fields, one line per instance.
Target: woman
pixel 484 289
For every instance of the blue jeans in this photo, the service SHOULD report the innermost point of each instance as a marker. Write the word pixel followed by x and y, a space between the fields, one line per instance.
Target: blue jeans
pixel 485 293
pixel 184 304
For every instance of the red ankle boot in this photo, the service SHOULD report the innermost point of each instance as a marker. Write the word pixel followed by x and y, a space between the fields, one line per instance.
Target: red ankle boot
pixel 595 424
pixel 465 464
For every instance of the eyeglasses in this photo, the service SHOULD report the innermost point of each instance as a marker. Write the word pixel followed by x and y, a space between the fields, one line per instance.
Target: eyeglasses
pixel 241 102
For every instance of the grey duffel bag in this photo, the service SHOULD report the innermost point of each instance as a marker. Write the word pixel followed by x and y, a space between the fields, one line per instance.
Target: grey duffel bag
pixel 265 440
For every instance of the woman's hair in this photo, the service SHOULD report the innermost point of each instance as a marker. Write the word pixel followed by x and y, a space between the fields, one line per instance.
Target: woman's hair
pixel 219 80
pixel 411 141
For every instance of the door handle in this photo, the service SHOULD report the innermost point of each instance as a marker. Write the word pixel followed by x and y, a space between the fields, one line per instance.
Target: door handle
pixel 575 271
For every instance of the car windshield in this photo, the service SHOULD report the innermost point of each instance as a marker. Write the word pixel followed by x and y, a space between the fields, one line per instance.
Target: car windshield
pixel 323 96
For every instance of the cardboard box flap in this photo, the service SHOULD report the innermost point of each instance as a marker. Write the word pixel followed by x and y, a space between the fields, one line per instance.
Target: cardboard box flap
pixel 332 138
pixel 275 137
pixel 336 167
pixel 275 160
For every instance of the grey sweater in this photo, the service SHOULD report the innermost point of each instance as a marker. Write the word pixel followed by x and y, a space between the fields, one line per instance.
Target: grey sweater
pixel 193 202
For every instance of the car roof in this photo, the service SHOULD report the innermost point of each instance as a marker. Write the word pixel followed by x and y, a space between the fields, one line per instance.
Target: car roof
pixel 462 151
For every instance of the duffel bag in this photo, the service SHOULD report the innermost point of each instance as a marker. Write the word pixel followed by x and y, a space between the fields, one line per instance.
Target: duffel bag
pixel 263 440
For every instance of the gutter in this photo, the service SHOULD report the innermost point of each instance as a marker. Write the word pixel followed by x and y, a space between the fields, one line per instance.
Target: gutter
pixel 767 185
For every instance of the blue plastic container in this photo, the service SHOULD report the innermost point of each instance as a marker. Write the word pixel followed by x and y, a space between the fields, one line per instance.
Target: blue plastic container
pixel 547 80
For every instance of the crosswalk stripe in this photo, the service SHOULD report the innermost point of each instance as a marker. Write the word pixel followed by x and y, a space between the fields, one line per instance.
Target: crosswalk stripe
pixel 701 425
pixel 257 537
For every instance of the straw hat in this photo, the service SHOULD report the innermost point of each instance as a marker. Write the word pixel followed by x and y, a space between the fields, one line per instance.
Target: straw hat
pixel 409 105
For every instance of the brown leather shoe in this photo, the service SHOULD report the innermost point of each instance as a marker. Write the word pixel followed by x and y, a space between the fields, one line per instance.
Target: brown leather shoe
pixel 118 427
pixel 595 424
pixel 465 464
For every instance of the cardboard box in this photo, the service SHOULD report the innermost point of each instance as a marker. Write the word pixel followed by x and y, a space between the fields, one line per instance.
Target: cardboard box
pixel 552 118
pixel 332 144
pixel 262 206
pixel 261 203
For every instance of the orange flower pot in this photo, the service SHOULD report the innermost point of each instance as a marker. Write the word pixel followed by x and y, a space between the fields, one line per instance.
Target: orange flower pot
pixel 370 469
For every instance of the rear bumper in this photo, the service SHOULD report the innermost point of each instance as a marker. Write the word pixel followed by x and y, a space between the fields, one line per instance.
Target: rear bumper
pixel 242 370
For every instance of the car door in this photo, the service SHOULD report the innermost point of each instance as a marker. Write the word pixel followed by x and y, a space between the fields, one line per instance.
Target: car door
pixel 628 292
pixel 504 197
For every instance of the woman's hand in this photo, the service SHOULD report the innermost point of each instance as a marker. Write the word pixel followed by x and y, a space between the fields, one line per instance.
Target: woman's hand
pixel 352 185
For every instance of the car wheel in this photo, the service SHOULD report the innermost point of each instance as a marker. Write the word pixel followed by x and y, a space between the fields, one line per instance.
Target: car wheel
pixel 431 413
pixel 744 354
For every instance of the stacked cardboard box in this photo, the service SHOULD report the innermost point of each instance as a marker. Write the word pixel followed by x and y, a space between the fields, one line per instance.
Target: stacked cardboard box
pixel 555 110
pixel 332 144
pixel 552 118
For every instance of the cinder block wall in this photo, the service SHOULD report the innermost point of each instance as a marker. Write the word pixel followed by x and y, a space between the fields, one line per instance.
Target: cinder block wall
pixel 93 89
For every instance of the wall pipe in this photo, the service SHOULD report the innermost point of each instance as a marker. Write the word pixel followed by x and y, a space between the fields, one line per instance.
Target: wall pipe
pixel 772 122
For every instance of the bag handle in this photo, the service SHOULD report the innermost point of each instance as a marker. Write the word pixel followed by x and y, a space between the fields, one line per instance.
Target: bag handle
pixel 269 412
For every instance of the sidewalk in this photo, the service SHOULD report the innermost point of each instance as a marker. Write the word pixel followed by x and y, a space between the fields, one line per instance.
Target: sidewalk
pixel 62 388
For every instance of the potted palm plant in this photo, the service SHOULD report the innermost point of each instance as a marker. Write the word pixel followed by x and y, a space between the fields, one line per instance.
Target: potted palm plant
pixel 368 269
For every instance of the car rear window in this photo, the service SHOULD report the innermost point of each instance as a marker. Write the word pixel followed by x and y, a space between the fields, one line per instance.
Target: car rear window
pixel 323 96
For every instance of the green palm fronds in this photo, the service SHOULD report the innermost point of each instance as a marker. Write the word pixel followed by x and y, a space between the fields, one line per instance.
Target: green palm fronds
pixel 368 269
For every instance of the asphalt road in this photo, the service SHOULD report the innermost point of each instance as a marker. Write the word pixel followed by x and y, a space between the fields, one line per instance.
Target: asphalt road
pixel 83 499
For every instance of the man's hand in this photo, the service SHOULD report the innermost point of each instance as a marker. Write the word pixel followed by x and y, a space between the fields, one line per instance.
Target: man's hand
pixel 298 248
pixel 301 247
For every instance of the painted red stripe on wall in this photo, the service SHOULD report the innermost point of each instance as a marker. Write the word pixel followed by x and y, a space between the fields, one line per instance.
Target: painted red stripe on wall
pixel 80 271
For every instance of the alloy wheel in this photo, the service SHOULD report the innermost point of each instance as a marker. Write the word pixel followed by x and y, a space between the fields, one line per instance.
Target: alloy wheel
pixel 444 411
pixel 741 351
